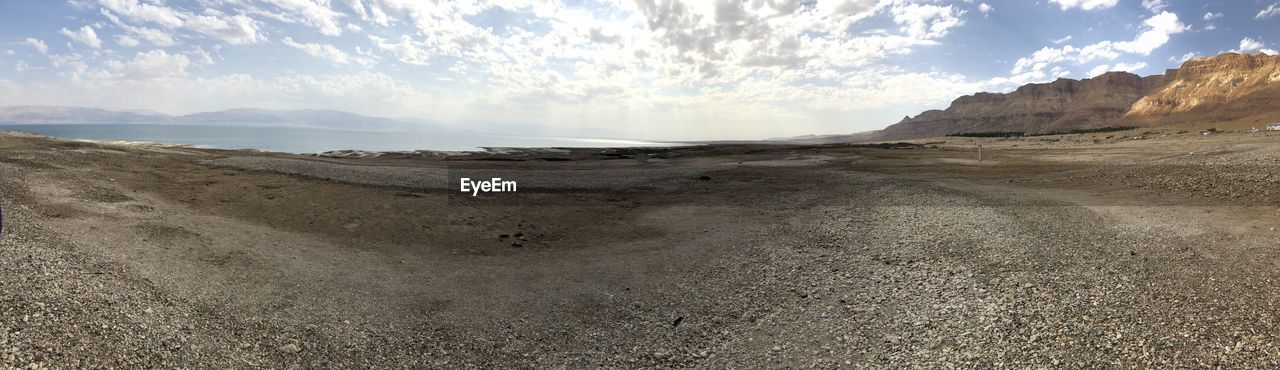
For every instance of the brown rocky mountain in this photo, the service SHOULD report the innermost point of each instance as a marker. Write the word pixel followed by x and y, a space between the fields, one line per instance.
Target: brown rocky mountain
pixel 1228 87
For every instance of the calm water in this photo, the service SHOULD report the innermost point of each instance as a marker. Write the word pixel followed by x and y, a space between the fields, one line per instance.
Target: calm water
pixel 307 140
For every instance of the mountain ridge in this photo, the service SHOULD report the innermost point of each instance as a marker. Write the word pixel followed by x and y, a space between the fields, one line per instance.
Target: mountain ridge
pixel 319 118
pixel 1229 87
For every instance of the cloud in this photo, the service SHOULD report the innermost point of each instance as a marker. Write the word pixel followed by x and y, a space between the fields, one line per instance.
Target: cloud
pixel 154 36
pixel 984 8
pixel 406 51
pixel 1159 28
pixel 1183 58
pixel 1249 44
pixel 1120 67
pixel 85 35
pixel 235 30
pixel 322 51
pixel 1211 16
pixel 145 12
pixel 926 21
pixel 201 56
pixel 38 44
pixel 21 66
pixel 238 29
pixel 315 13
pixel 1157 32
pixel 1129 67
pixel 1085 4
pixel 1271 11
pixel 126 41
pixel 156 64
pixel 1155 6
pixel 1062 40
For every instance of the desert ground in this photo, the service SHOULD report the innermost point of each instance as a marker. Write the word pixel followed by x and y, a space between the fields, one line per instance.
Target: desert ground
pixel 1126 249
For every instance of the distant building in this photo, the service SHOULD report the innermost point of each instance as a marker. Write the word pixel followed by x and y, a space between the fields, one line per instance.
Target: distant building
pixel 1273 127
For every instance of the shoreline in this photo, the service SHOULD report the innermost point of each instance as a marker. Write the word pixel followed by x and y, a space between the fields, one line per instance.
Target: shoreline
pixel 622 143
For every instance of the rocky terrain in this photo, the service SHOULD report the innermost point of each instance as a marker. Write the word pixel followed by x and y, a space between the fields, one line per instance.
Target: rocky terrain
pixel 1224 88
pixel 1228 91
pixel 1138 249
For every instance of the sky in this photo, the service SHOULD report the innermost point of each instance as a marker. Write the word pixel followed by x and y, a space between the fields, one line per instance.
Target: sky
pixel 647 69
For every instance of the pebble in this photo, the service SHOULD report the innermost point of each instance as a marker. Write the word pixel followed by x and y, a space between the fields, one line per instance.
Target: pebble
pixel 290 348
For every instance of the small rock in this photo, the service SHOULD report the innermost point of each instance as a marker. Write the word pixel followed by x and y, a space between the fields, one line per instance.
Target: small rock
pixel 517 244
pixel 678 321
pixel 290 348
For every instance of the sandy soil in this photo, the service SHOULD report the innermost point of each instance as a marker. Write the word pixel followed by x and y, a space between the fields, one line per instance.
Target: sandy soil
pixel 1088 250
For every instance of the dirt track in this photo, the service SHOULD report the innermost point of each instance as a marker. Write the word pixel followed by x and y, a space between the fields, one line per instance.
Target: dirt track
pixel 1083 251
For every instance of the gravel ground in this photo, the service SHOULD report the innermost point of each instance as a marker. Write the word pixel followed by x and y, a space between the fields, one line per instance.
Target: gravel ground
pixel 445 178
pixel 127 257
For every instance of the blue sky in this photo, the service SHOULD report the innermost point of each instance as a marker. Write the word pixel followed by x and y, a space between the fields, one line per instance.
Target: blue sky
pixel 654 69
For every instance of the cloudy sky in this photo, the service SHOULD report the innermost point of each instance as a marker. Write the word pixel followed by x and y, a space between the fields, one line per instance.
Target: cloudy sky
pixel 655 69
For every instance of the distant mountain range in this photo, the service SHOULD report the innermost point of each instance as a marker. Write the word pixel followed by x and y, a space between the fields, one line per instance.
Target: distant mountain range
pixel 245 116
pixel 1228 91
pixel 315 118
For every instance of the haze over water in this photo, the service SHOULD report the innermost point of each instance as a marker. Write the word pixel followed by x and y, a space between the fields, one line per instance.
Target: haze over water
pixel 309 140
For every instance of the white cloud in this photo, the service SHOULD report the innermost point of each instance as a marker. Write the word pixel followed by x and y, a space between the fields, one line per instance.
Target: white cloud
pixel 1084 4
pixel 1183 58
pixel 1249 44
pixel 203 57
pixel 315 13
pixel 1211 16
pixel 126 41
pixel 323 51
pixel 238 29
pixel 85 35
pixel 145 12
pixel 1130 67
pixel 924 21
pixel 20 66
pixel 984 8
pixel 406 50
pixel 154 36
pixel 38 44
pixel 1158 29
pixel 156 64
pixel 1155 6
pixel 1271 52
pixel 235 30
pixel 1100 69
pixel 1119 67
pixel 1269 12
pixel 1062 40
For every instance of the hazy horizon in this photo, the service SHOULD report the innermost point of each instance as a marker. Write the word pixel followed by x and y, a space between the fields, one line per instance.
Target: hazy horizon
pixel 648 69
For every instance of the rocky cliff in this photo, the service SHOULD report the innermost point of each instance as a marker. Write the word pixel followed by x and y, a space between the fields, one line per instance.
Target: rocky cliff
pixel 1221 88
pixel 1204 90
